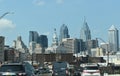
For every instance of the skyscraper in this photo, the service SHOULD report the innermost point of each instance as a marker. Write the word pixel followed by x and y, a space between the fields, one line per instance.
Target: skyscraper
pixel 113 39
pixel 43 41
pixel 55 38
pixel 2 44
pixel 33 36
pixel 36 42
pixel 85 34
pixel 64 33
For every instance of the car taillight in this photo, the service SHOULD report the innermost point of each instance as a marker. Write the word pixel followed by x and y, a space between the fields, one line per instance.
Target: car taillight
pixel 85 71
pixel 97 71
pixel 66 71
pixel 21 74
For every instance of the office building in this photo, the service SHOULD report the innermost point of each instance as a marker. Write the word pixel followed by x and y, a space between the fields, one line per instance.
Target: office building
pixel 90 44
pixel 55 39
pixel 2 42
pixel 43 41
pixel 64 32
pixel 85 34
pixel 71 45
pixel 19 45
pixel 33 36
pixel 113 39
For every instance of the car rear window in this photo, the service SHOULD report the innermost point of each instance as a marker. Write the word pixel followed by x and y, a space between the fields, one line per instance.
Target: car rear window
pixel 91 68
pixel 59 65
pixel 14 68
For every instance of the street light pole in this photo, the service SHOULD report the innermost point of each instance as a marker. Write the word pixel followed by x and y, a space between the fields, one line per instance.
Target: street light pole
pixel 6 13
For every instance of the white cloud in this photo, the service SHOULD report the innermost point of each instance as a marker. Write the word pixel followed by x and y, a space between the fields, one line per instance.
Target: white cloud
pixel 59 1
pixel 39 2
pixel 6 24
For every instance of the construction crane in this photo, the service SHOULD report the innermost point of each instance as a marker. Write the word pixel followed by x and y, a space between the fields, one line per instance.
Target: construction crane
pixel 5 14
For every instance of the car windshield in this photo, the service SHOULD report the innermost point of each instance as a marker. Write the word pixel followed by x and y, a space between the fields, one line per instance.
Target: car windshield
pixel 91 68
pixel 14 68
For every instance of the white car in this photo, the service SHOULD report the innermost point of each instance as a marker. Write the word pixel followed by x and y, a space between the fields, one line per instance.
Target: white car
pixel 90 70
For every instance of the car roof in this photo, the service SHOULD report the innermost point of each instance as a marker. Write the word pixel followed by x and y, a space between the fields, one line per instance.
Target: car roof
pixel 12 64
pixel 89 64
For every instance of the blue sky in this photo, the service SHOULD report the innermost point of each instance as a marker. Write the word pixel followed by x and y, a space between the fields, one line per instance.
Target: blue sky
pixel 45 15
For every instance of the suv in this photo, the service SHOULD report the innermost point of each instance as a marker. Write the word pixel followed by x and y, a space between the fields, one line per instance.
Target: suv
pixel 90 70
pixel 17 69
pixel 60 69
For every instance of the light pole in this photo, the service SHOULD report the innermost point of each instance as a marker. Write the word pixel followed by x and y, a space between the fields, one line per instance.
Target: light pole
pixel 6 14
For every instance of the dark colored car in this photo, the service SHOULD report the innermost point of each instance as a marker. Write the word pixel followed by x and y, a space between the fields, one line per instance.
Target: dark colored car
pixel 76 73
pixel 60 69
pixel 43 70
pixel 17 69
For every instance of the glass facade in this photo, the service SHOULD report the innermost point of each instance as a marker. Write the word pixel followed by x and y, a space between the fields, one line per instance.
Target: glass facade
pixel 113 39
pixel 33 36
pixel 42 39
pixel 85 34
pixel 64 33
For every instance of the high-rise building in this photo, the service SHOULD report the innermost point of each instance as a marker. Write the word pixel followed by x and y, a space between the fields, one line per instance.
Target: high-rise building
pixel 2 42
pixel 113 39
pixel 71 45
pixel 43 41
pixel 33 36
pixel 85 34
pixel 55 39
pixel 19 45
pixel 64 33
pixel 90 44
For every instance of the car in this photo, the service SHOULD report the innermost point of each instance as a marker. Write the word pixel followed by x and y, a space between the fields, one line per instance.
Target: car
pixel 17 69
pixel 43 70
pixel 76 73
pixel 60 68
pixel 90 70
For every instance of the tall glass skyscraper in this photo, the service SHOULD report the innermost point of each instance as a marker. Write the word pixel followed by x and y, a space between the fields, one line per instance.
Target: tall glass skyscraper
pixel 55 38
pixel 64 33
pixel 43 40
pixel 113 37
pixel 33 36
pixel 85 34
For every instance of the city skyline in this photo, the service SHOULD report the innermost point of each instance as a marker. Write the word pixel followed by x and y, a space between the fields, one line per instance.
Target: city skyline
pixel 43 16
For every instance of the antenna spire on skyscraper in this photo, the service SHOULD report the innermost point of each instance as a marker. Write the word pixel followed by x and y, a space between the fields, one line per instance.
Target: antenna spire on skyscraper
pixel 84 19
